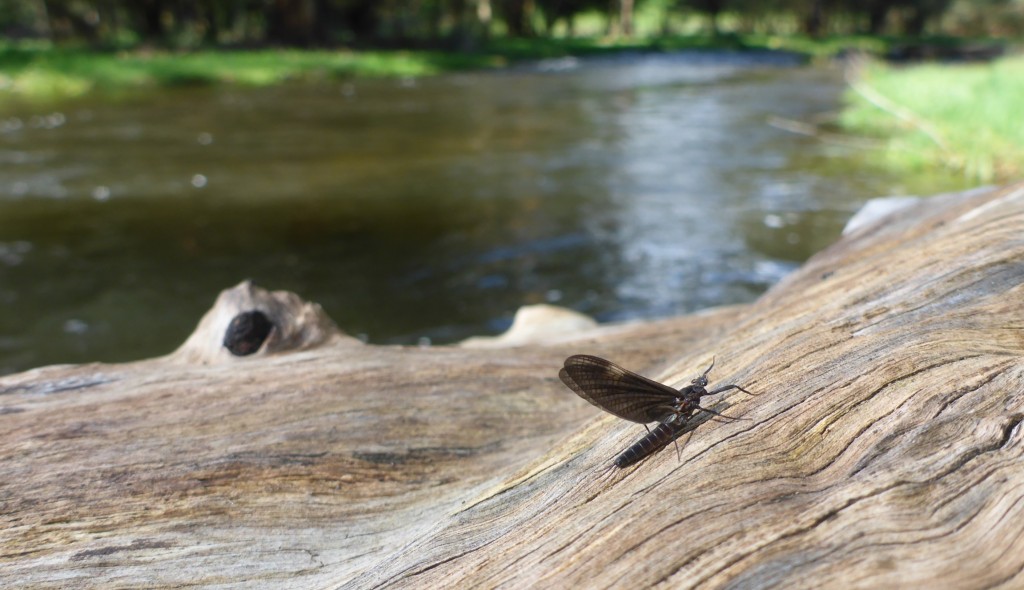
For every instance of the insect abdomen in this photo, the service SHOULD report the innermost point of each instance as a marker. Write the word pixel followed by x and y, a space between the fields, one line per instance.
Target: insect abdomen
pixel 656 439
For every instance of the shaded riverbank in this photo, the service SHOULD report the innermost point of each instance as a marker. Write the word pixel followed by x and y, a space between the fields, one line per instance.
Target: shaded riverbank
pixel 39 71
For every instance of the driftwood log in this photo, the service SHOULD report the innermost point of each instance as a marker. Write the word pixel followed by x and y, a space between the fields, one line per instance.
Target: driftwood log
pixel 884 448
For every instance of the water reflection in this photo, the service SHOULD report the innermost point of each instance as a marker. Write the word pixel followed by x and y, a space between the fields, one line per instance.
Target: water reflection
pixel 629 187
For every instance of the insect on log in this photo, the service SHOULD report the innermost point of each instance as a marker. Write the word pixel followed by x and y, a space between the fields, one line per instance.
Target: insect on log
pixel 638 399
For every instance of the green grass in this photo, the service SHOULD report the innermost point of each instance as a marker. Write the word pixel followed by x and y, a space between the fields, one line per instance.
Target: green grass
pixel 40 72
pixel 969 118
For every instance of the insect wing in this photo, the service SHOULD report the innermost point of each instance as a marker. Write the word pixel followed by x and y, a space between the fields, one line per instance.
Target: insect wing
pixel 617 390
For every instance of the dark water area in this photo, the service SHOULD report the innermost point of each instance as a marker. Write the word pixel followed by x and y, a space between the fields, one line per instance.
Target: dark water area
pixel 418 210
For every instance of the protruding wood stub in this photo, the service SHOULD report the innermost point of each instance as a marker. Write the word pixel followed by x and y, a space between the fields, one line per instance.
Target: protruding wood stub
pixel 297 325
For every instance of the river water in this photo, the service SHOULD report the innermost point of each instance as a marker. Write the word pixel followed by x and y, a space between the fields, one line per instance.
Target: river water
pixel 419 210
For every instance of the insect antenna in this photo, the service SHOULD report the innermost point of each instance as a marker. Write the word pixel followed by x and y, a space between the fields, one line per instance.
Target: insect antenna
pixel 708 370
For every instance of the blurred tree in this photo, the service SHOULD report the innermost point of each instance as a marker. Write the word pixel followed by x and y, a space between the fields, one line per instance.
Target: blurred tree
pixel 626 17
pixel 150 18
pixel 711 9
pixel 985 17
pixel 878 14
pixel 67 19
pixel 922 11
pixel 362 19
pixel 567 10
pixel 462 23
pixel 292 22
pixel 518 16
pixel 484 13
pixel 20 18
pixel 815 17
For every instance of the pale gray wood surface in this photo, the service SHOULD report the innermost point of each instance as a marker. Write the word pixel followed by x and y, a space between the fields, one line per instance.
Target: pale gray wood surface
pixel 883 449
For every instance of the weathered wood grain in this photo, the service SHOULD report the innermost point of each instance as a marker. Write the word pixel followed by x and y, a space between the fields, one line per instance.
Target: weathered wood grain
pixel 883 450
pixel 305 467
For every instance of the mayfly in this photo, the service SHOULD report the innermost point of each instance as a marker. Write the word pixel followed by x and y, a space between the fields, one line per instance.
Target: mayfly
pixel 638 399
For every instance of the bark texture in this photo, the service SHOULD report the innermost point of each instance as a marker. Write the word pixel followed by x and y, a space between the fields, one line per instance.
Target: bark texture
pixel 883 450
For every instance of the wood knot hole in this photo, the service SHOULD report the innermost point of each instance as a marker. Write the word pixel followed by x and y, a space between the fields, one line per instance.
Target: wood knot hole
pixel 247 332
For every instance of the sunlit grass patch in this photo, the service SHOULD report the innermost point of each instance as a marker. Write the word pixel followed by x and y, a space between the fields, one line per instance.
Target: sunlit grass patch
pixel 53 73
pixel 43 84
pixel 966 117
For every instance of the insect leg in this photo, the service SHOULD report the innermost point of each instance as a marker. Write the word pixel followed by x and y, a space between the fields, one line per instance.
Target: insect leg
pixel 728 387
pixel 679 453
pixel 721 415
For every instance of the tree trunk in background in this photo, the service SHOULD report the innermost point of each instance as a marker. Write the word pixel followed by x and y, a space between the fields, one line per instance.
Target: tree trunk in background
pixel 484 16
pixel 325 24
pixel 151 21
pixel 517 15
pixel 188 16
pixel 461 33
pixel 213 20
pixel 814 21
pixel 291 23
pixel 106 24
pixel 711 8
pixel 878 14
pixel 435 20
pixel 41 24
pixel 626 18
pixel 914 25
pixel 363 20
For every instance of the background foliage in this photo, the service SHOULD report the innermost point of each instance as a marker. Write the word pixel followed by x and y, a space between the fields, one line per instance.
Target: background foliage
pixel 464 24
